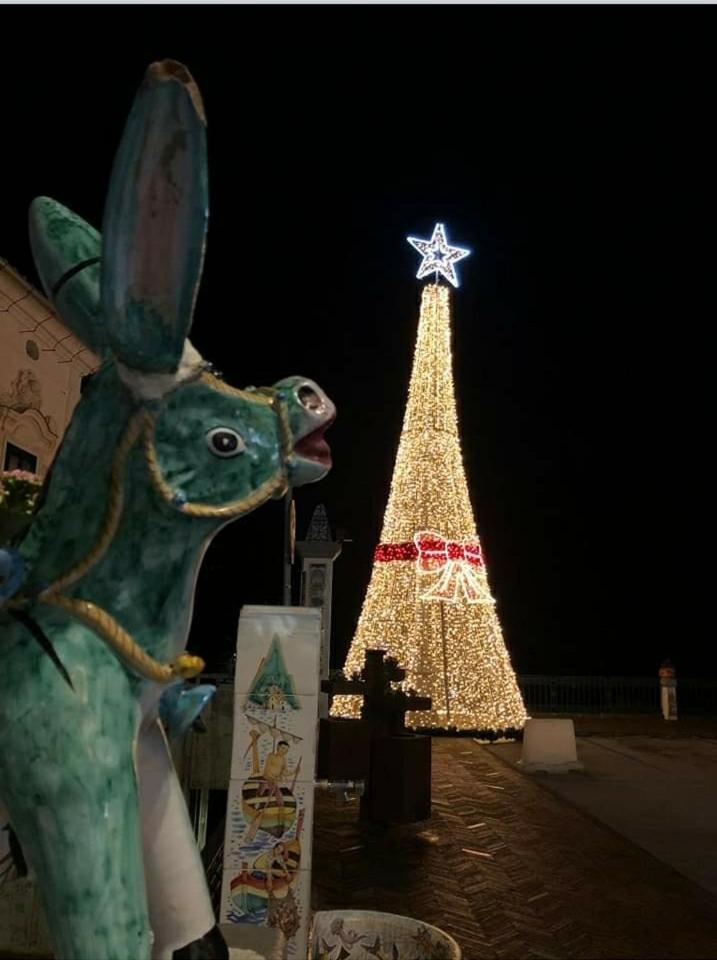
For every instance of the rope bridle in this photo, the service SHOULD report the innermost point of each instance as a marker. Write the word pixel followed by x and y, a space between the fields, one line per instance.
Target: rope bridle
pixel 141 429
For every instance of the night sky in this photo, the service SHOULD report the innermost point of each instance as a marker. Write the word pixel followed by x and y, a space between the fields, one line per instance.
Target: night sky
pixel 568 148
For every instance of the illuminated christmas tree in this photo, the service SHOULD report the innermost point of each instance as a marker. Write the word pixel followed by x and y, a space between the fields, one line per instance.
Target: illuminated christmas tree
pixel 428 601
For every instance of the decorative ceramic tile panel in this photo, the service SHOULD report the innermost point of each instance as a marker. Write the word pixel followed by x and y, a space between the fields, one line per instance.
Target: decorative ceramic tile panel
pixel 267 847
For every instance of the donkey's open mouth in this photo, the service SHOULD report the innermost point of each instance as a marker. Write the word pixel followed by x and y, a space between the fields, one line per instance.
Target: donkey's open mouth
pixel 311 413
pixel 314 447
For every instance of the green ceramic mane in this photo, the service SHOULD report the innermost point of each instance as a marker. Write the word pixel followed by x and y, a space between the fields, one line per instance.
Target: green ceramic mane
pixel 160 454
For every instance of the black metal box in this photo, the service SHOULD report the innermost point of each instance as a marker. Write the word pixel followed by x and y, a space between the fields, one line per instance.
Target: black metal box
pixel 400 781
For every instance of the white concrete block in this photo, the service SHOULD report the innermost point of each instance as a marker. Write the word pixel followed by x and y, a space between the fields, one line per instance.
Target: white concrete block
pixel 549 747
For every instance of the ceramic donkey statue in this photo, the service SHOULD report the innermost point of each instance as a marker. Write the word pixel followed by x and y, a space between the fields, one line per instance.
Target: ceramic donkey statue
pixel 160 454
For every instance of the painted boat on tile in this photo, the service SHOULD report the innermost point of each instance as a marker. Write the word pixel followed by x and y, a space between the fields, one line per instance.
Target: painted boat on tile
pixel 273 817
pixel 271 876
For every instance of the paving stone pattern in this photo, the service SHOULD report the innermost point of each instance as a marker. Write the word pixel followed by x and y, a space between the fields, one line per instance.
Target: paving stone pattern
pixel 511 871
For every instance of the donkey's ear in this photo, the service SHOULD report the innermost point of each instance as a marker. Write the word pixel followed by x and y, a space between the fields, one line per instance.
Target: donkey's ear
pixel 66 250
pixel 155 222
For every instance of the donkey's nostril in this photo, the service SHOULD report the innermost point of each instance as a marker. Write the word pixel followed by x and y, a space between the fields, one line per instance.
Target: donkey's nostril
pixel 310 399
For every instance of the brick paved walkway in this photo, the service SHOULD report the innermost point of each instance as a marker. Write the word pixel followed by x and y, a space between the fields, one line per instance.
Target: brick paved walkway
pixel 511 871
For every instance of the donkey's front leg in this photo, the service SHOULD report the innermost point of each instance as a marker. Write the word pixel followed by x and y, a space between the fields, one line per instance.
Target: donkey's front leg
pixel 179 906
pixel 70 788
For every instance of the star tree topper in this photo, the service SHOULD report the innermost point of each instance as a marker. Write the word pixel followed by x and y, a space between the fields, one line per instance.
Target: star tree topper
pixel 438 256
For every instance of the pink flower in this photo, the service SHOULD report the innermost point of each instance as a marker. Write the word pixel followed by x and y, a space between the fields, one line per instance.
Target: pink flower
pixel 20 475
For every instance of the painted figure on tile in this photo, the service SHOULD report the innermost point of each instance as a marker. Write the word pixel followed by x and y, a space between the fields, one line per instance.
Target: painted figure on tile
pixel 275 769
pixel 270 877
pixel 277 867
pixel 266 802
pixel 161 453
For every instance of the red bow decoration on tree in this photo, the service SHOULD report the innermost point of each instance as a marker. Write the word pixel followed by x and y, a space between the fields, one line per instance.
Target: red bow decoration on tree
pixel 434 551
pixel 456 561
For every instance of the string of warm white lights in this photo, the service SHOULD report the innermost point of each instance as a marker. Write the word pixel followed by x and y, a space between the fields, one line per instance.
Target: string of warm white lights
pixel 428 602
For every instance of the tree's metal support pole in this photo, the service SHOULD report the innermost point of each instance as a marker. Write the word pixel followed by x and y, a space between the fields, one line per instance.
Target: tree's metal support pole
pixel 289 536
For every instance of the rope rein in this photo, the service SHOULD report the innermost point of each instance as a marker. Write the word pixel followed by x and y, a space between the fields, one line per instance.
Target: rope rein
pixel 124 645
pixel 142 426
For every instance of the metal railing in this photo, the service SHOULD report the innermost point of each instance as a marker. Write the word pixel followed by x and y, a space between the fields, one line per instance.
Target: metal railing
pixel 213 858
pixel 547 693
pixel 588 694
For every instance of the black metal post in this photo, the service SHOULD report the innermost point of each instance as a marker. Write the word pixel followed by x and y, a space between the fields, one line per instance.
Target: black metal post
pixel 288 544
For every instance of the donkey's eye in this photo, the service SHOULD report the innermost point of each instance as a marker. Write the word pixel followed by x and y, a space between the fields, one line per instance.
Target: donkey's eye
pixel 224 442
